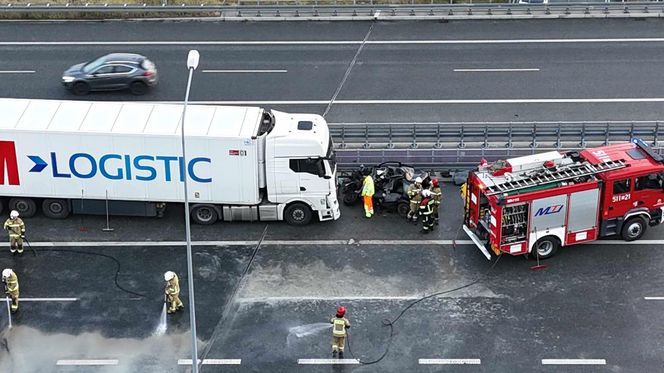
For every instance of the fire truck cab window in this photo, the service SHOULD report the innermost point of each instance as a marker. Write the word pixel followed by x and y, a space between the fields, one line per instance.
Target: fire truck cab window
pixel 621 186
pixel 652 181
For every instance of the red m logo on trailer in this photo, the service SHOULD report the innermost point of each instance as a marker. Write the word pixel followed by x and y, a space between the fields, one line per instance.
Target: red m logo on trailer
pixel 8 163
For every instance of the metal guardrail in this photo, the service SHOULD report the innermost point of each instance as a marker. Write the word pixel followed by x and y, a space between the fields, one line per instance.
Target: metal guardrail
pixel 445 146
pixel 269 11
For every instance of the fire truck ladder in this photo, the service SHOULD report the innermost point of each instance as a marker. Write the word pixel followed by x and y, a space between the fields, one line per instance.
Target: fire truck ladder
pixel 561 174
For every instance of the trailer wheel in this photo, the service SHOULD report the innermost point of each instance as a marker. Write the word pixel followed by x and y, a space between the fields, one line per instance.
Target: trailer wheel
pixel 403 208
pixel 633 229
pixel 545 247
pixel 204 214
pixel 25 206
pixel 55 208
pixel 298 214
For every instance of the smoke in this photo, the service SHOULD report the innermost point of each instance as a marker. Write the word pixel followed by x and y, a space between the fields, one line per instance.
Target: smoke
pixel 27 350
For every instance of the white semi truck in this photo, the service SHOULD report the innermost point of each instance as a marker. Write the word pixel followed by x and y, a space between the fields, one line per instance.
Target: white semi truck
pixel 242 163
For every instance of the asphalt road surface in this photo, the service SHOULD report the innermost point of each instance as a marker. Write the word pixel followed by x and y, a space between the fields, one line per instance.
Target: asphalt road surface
pixel 588 308
pixel 373 72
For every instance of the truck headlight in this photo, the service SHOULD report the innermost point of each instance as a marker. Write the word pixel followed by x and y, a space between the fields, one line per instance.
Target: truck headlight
pixel 68 79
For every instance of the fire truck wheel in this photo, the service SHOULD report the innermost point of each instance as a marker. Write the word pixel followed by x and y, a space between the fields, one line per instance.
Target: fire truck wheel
pixel 633 229
pixel 545 247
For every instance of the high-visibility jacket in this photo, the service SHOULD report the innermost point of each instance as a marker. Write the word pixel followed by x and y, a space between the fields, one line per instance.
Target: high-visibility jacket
pixel 173 286
pixel 368 186
pixel 414 192
pixel 16 227
pixel 339 326
pixel 11 283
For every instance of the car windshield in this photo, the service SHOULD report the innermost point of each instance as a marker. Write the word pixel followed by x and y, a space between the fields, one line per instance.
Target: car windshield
pixel 92 65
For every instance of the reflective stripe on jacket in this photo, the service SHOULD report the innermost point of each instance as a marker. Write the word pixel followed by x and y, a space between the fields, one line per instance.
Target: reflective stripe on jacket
pixel 367 186
pixel 173 286
pixel 16 227
pixel 12 283
pixel 339 325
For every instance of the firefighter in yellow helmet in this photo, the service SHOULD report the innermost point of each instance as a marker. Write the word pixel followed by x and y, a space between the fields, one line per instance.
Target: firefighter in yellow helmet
pixel 10 280
pixel 16 228
pixel 339 326
pixel 173 292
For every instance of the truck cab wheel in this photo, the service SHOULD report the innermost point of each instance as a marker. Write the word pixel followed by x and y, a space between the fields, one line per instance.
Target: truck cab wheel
pixel 26 207
pixel 55 208
pixel 204 214
pixel 633 229
pixel 298 214
pixel 545 247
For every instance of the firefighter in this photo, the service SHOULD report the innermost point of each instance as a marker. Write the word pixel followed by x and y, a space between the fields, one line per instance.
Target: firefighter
pixel 414 194
pixel 10 280
pixel 339 326
pixel 437 195
pixel 367 193
pixel 16 229
pixel 426 211
pixel 173 292
pixel 462 191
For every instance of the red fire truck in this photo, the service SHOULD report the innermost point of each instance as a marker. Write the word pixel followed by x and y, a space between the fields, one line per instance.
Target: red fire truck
pixel 536 204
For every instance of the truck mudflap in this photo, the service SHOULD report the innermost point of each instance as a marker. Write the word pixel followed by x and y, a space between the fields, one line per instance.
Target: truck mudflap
pixel 477 242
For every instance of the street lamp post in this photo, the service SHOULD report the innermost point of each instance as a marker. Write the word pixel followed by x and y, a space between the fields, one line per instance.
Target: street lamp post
pixel 192 64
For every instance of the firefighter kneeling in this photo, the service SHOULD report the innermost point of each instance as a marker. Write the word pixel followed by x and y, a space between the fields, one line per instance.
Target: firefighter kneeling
pixel 426 211
pixel 173 292
pixel 10 281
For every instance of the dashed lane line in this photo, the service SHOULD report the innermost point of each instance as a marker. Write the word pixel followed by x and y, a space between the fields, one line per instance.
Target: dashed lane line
pixel 573 362
pixel 494 70
pixel 17 71
pixel 653 298
pixel 48 299
pixel 311 298
pixel 88 362
pixel 485 101
pixel 212 361
pixel 449 361
pixel 328 361
pixel 297 243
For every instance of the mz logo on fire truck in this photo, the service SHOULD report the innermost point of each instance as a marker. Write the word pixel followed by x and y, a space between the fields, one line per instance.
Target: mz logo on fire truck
pixel 549 210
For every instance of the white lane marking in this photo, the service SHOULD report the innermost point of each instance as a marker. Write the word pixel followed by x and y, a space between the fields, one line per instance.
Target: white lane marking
pixel 349 298
pixel 327 361
pixel 88 362
pixel 212 361
pixel 245 71
pixel 337 42
pixel 573 362
pixel 653 298
pixel 47 299
pixel 438 101
pixel 17 71
pixel 299 243
pixel 494 70
pixel 449 361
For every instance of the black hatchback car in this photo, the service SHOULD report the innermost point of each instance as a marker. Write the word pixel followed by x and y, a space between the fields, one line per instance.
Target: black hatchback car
pixel 116 71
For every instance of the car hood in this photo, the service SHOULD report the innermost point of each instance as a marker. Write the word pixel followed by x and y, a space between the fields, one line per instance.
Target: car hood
pixel 76 69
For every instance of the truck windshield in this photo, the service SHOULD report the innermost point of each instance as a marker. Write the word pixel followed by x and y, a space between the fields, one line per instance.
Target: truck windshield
pixel 331 156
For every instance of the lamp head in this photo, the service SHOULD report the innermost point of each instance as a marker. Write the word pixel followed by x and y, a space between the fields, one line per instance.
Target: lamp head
pixel 192 59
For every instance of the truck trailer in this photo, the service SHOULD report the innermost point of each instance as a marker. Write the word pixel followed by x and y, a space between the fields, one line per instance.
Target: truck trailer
pixel 536 204
pixel 125 158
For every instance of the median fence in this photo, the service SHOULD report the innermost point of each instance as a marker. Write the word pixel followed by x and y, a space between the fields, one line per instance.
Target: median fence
pixel 448 146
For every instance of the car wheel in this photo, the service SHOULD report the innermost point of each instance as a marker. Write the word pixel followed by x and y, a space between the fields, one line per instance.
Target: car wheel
pixel 403 208
pixel 81 88
pixel 633 229
pixel 350 198
pixel 545 247
pixel 204 214
pixel 138 88
pixel 298 214
pixel 55 208
pixel 26 207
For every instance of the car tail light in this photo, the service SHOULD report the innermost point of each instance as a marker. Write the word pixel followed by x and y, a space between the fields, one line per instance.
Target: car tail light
pixel 148 73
